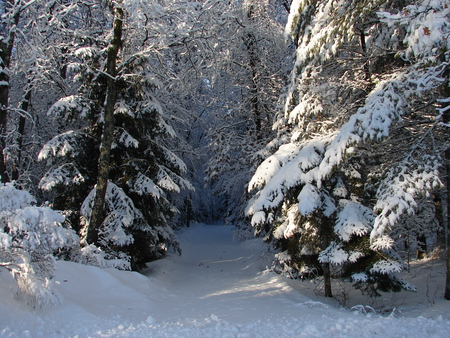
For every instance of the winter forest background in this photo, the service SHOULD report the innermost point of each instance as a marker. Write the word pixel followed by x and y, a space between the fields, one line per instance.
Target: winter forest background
pixel 321 126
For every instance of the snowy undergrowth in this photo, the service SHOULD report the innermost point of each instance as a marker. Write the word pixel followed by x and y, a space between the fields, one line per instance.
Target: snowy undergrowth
pixel 219 288
pixel 29 236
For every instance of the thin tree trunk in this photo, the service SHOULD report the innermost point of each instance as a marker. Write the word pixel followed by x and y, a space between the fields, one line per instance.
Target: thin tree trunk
pixel 21 132
pixel 446 118
pixel 447 155
pixel 422 249
pixel 447 281
pixel 327 279
pixel 98 209
pixel 4 94
pixel 250 44
pixel 325 235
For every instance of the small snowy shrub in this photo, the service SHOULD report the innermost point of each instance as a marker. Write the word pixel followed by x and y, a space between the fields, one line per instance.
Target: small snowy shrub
pixel 29 238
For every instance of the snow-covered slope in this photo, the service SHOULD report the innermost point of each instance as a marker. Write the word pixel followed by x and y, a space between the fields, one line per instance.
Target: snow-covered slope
pixel 217 288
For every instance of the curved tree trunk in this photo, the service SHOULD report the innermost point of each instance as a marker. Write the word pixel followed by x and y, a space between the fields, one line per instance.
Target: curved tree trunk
pixel 98 209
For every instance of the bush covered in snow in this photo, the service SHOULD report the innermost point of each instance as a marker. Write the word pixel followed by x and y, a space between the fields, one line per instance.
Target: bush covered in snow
pixel 30 236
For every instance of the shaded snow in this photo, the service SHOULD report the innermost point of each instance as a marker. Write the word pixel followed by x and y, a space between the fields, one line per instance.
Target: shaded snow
pixel 217 288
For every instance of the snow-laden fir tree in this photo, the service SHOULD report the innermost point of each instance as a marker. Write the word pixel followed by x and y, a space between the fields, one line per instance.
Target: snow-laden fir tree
pixel 359 144
pixel 141 172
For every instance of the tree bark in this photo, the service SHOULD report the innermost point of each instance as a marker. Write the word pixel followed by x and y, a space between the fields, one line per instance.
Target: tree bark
pixel 422 249
pixel 446 119
pixel 250 45
pixel 447 165
pixel 21 132
pixel 447 281
pixel 325 229
pixel 327 279
pixel 6 47
pixel 98 209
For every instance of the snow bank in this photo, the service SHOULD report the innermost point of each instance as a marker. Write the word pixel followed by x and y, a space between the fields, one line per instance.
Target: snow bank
pixel 218 288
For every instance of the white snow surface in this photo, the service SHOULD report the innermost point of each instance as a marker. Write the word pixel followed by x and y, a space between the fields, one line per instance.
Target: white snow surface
pixel 217 288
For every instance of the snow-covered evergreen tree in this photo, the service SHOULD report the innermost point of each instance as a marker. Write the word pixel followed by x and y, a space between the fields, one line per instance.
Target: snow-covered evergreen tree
pixel 142 171
pixel 359 144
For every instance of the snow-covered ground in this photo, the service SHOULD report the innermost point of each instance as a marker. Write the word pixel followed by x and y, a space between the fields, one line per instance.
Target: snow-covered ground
pixel 220 288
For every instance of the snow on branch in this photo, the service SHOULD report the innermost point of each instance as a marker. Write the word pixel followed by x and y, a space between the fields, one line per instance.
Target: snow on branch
pixel 127 140
pixel 173 159
pixel 309 199
pixel 427 28
pixel 322 27
pixel 397 192
pixel 167 129
pixel 65 144
pixel 86 52
pixel 386 267
pixel 315 159
pixel 334 254
pixel 92 255
pixel 122 108
pixel 70 106
pixel 140 12
pixel 66 174
pixel 121 215
pixel 143 185
pixel 353 219
pixel 300 167
pixel 170 181
pixel 267 170
pixel 165 181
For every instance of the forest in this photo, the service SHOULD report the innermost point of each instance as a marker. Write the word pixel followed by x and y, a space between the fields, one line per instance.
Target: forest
pixel 319 125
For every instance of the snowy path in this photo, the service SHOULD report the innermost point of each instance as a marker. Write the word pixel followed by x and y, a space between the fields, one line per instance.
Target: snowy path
pixel 217 288
pixel 217 276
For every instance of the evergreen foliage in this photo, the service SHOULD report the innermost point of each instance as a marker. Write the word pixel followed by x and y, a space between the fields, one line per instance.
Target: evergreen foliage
pixel 340 181
pixel 142 170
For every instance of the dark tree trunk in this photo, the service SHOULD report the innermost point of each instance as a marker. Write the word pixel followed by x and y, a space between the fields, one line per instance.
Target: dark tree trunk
pixel 188 209
pixel 6 47
pixel 447 155
pixel 446 118
pixel 21 132
pixel 422 249
pixel 98 209
pixel 325 231
pixel 327 279
pixel 4 95
pixel 362 37
pixel 250 45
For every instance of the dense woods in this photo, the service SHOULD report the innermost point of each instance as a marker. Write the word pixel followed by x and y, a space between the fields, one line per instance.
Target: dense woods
pixel 321 126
